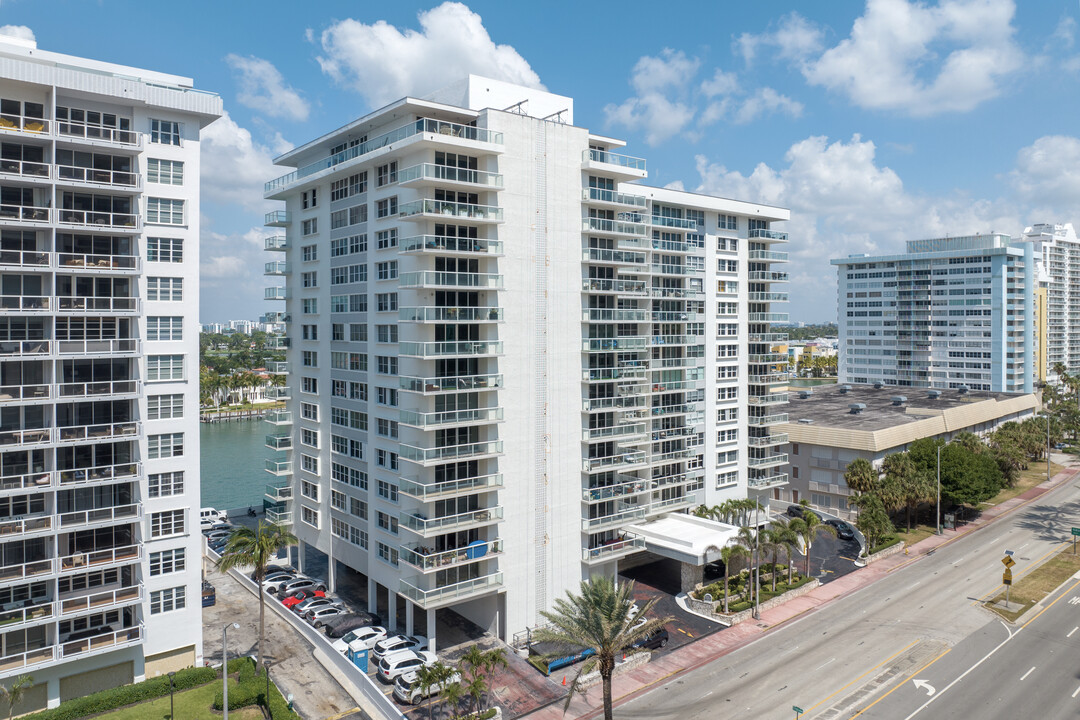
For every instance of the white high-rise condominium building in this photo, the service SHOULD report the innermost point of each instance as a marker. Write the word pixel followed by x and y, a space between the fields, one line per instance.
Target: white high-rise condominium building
pixel 950 312
pixel 511 365
pixel 1057 258
pixel 99 391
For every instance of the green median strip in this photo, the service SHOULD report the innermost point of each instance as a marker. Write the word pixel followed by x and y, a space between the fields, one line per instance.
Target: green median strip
pixel 1036 585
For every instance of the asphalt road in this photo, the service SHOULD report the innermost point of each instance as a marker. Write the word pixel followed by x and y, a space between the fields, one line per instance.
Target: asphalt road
pixel 837 661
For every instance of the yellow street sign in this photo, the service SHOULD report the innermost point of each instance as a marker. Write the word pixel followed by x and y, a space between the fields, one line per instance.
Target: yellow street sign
pixel 1006 577
pixel 1007 561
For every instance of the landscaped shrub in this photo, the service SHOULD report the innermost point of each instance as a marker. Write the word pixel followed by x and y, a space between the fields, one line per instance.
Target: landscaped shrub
pixel 251 690
pixel 886 542
pixel 127 695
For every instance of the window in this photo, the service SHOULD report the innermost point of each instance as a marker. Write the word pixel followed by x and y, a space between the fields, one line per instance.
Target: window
pixel 310 464
pixel 165 211
pixel 310 332
pixel 309 490
pixel 165 328
pixel 386 396
pixel 309 411
pixel 358 507
pixel 386 208
pixel 386 270
pixel 310 358
pixel 310 198
pixel 347 187
pixel 337 500
pixel 349 476
pixel 309 516
pixel 165 172
pixel 165 446
pixel 348 274
pixel 309 437
pixel 388 491
pixel 309 253
pixel 348 245
pixel 388 554
pixel 170 522
pixel 165 289
pixel 166 484
pixel 167 600
pixel 386 302
pixel 357 332
pixel 728 222
pixel 386 333
pixel 309 385
pixel 386 365
pixel 164 367
pixel 167 561
pixel 309 226
pixel 309 279
pixel 164 407
pixel 309 306
pixel 164 250
pixel 386 239
pixel 386 174
pixel 386 428
pixel 386 522
pixel 165 132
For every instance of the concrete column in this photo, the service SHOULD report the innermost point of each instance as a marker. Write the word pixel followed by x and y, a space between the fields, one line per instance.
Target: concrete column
pixel 431 630
pixel 372 595
pixel 331 568
pixel 53 691
pixel 301 550
pixel 690 575
pixel 409 610
pixel 391 611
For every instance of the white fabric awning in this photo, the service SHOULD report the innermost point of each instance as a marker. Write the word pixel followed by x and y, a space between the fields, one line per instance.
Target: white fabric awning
pixel 685 538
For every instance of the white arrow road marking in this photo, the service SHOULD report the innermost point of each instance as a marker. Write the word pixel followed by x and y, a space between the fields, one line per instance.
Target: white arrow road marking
pixel 1074 600
pixel 1024 677
pixel 923 685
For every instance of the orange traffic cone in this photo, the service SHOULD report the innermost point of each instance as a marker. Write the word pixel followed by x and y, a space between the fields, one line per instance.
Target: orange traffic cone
pixel 564 680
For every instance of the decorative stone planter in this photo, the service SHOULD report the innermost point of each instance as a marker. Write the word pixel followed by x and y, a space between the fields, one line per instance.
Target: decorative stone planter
pixel 881 554
pixel 730 619
pixel 632 661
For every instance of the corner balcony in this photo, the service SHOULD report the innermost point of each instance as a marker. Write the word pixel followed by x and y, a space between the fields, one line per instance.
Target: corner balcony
pixel 766 420
pixel 457 592
pixel 627 486
pixel 767 236
pixel 436 455
pixel 276 317
pixel 618 287
pixel 428 492
pixel 278 392
pixel 279 492
pixel 277 218
pixel 763 317
pixel 276 293
pixel 621 460
pixel 611 197
pixel 613 550
pixel 277 367
pixel 100 390
pixel 444 245
pixel 767 297
pixel 474 348
pixel 474 416
pixel 767 256
pixel 430 314
pixel 421 525
pixel 121 222
pixel 111 264
pixel 279 468
pixel 99 432
pixel 429 174
pixel 434 279
pixel 609 163
pixel 278 516
pixel 278 267
pixel 279 342
pixel 766 276
pixel 614 228
pixel 768 379
pixel 99 474
pixel 767 337
pixel 767 461
pixel 107 642
pixel 615 344
pixel 440 210
pixel 460 383
pixel 623 517
pixel 279 417
pixel 108 516
pixel 426 560
pixel 276 243
pixel 767 358
pixel 279 442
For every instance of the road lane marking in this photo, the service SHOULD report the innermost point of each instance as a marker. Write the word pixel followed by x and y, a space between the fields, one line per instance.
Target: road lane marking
pixel 904 649
pixel 1072 631
pixel 1076 692
pixel 903 684
pixel 1030 567
pixel 1024 676
pixel 824 664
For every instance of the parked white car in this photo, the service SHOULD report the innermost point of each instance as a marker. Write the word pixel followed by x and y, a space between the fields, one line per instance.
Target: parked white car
pixel 363 638
pixel 408 691
pixel 398 642
pixel 399 663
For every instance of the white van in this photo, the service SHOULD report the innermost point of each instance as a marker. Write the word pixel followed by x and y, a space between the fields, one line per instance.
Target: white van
pixel 213 515
pixel 408 691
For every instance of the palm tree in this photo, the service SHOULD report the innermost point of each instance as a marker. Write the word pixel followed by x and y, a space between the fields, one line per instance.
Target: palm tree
pixel 453 694
pixel 861 475
pixel 432 676
pixel 785 536
pixel 599 618
pixel 807 528
pixel 14 693
pixel 728 555
pixel 770 547
pixel 477 667
pixel 747 538
pixel 247 548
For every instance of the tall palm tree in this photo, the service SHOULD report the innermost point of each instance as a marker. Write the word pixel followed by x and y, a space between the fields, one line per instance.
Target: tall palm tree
pixel 747 538
pixel 808 527
pixel 861 475
pixel 14 693
pixel 247 548
pixel 785 536
pixel 728 555
pixel 770 547
pixel 599 618
pixel 432 676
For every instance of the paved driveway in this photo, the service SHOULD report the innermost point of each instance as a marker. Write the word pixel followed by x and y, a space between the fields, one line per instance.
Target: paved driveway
pixel 649 583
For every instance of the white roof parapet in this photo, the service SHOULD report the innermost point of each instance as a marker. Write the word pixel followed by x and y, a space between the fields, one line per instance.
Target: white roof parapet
pixel 686 538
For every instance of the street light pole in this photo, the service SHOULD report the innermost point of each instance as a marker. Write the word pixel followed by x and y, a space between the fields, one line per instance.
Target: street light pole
pixel 172 712
pixel 757 564
pixel 938 512
pixel 225 667
pixel 1048 445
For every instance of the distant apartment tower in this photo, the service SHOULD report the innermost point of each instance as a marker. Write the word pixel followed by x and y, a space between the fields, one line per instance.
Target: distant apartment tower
pixel 507 359
pixel 950 312
pixel 1057 260
pixel 99 390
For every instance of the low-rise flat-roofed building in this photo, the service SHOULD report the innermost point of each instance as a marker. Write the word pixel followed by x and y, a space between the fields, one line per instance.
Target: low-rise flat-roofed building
pixel 831 425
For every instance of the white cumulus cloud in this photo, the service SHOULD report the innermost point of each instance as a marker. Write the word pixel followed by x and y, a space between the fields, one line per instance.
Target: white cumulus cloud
pixel 235 165
pixel 1047 173
pixel 383 63
pixel 17 31
pixel 795 38
pixel 263 88
pixel 230 273
pixel 766 100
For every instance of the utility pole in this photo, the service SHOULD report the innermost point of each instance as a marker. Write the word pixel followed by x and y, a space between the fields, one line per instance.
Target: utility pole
pixel 757 563
pixel 938 512
pixel 1048 445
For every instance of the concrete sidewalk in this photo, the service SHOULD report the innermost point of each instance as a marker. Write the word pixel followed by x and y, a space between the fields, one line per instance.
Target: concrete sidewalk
pixel 642 679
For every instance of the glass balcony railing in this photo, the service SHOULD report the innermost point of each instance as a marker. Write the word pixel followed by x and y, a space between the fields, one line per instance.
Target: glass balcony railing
pixel 450 349
pixel 768 440
pixel 431 314
pixel 429 171
pixel 615 549
pixel 442 208
pixel 639 342
pixel 622 287
pixel 435 279
pixel 276 293
pixel 98 473
pixel 673 222
pixel 616 316
pixel 623 517
pixel 24 168
pixel 279 467
pixel 635 457
pixel 40 480
pixel 767 235
pixel 99 389
pixel 279 442
pixel 425 559
pixel 112 263
pixel 444 244
pixel 611 196
pixel 450 384
pixel 98 304
pixel 99 177
pixel 759 317
pixel 81 561
pixel 766 420
pixel 618 257
pixel 101 600
pixel 24 213
pixel 457 591
pixel 27 525
pixel 105 641
pixel 451 417
pixel 279 417
pixel 445 488
pixel 116 347
pixel 19 348
pixel 610 158
pixel 106 515
pixel 279 492
pixel 89 131
pixel 24 258
pixel 766 276
pixel 124 221
pixel 279 516
pixel 614 227
pixel 441 525
pixel 25 303
pixel 676 293
pixel 277 218
pixel 768 256
pixel 24 123
pixel 277 243
pixel 24 392
pixel 276 268
pixel 452 452
pixel 767 460
pixel 101 431
pixel 767 297
pixel 613 432
pixel 628 485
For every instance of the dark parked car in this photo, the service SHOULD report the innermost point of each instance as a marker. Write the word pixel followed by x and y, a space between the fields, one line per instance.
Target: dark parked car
pixel 209 594
pixel 798 511
pixel 843 530
pixel 654 641
pixel 342 624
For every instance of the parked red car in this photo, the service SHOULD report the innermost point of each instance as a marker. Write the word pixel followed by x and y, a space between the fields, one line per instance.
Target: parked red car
pixel 300 596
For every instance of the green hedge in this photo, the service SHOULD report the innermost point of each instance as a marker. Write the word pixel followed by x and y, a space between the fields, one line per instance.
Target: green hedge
pixel 127 695
pixel 251 690
pixel 888 542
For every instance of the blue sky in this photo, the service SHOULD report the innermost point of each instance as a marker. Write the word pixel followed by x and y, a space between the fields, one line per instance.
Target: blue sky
pixel 874 122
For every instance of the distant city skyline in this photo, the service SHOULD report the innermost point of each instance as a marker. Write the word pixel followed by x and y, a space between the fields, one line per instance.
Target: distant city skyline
pixel 874 123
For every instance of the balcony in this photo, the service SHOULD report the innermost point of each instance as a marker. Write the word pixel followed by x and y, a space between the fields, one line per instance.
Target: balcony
pixel 278 392
pixel 429 492
pixel 613 432
pixel 768 379
pixel 657 340
pixel 460 383
pixel 9 393
pixel 82 561
pixel 100 643
pixel 24 168
pixel 611 197
pixel 24 213
pixel 768 399
pixel 279 492
pixel 435 279
pixel 101 600
pixel 606 315
pixel 428 209
pixel 767 461
pixel 29 259
pixel 623 459
pixel 126 222
pixel 767 236
pixel 624 517
pixel 627 487
pixel 628 258
pixel 613 163
pixel 112 179
pixel 673 222
pixel 676 293
pixel 279 342
pixel 767 256
pixel 625 402
pixel 450 245
pixel 767 440
pixel 763 317
pixel 279 417
pixel 40 480
pixel 276 243
pixel 36 610
pixel 98 432
pixel 614 374
pixel 619 287
pixel 437 597
pixel 767 297
pixel 426 560
pixel 99 473
pixel 276 317
pixel 766 420
pixel 24 348
pixel 277 218
pixel 278 267
pixel 766 276
pixel 80 262
pixel 621 344
pixel 616 228
pixel 101 515
pixel 474 416
pixel 27 525
pixel 122 347
pixel 431 456
pixel 25 303
pixel 671 246
pixel 475 348
pixel 425 527
pixel 30 659
pixel 431 174
pixel 767 337
pixel 616 549
pixel 675 503
pixel 98 304
pixel 429 314
pixel 109 388
pixel 767 480
pixel 276 293
pixel 279 468
pixel 96 133
pixel 34 568
pixel 16 122
pixel 767 359
pixel 278 516
pixel 277 367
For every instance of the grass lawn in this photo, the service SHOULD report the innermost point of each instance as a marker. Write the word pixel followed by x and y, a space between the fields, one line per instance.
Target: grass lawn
pixel 919 531
pixel 193 704
pixel 1035 474
pixel 1037 584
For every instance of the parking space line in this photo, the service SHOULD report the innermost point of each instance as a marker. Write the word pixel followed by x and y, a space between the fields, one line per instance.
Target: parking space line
pixel 1024 676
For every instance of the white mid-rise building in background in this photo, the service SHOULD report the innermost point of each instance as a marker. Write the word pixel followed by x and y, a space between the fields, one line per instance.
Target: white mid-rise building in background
pixel 99 393
pixel 1057 258
pixel 512 365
